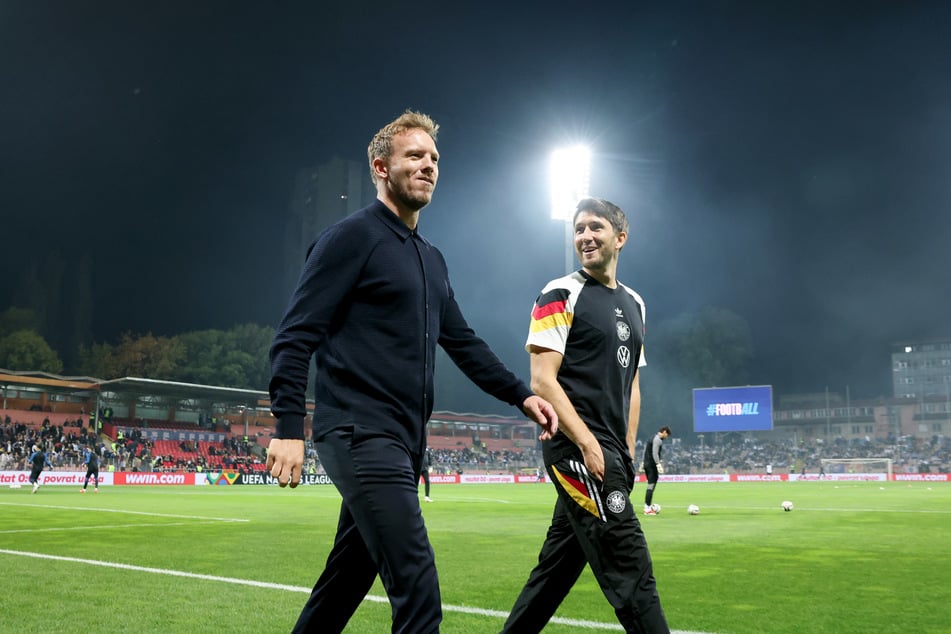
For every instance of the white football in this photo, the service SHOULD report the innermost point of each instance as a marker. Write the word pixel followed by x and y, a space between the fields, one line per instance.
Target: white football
pixel 787 506
pixel 656 508
pixel 693 509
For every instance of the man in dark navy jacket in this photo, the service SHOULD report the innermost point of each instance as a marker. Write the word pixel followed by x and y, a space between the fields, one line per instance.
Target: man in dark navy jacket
pixel 372 302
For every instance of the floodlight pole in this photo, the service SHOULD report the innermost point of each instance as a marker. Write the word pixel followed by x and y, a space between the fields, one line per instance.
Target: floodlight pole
pixel 570 170
pixel 828 419
pixel 569 247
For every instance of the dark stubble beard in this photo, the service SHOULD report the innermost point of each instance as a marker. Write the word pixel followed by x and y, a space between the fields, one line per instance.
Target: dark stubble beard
pixel 412 201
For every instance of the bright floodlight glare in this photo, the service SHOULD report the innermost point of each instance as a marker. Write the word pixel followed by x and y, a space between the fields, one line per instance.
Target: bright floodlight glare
pixel 569 173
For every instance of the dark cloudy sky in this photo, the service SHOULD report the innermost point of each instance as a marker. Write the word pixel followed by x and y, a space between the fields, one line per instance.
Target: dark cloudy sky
pixel 788 161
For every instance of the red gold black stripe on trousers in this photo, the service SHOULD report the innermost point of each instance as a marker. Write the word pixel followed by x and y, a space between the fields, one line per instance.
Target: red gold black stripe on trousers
pixel 582 488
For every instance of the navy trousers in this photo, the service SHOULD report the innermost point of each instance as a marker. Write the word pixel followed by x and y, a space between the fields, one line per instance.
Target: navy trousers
pixel 380 532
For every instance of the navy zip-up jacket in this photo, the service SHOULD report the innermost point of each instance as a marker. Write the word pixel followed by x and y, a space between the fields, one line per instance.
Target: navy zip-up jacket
pixel 372 302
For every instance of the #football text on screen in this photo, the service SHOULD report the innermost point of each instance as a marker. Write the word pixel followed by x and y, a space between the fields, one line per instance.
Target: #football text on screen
pixel 747 408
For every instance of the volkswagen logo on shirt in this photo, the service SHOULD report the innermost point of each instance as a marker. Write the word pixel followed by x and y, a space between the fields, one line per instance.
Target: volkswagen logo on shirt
pixel 624 356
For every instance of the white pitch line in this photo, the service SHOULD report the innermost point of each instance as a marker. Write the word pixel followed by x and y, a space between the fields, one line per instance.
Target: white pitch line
pixel 88 528
pixel 449 498
pixel 84 508
pixel 581 624
pixel 809 509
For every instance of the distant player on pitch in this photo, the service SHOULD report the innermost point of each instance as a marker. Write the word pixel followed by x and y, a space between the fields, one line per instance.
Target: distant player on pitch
pixel 586 345
pixel 91 460
pixel 39 460
pixel 654 466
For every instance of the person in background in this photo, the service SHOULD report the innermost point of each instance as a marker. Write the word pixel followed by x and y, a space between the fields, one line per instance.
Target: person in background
pixel 91 460
pixel 373 301
pixel 428 463
pixel 586 347
pixel 654 466
pixel 38 460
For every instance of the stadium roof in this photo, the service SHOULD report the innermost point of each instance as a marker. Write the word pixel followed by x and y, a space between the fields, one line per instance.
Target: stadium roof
pixel 137 387
pixel 174 390
pixel 49 382
pixel 133 387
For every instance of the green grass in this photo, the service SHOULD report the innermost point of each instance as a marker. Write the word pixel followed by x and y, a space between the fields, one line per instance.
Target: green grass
pixel 852 557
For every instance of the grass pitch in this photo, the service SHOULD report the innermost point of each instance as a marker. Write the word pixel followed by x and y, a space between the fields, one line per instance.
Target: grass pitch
pixel 851 557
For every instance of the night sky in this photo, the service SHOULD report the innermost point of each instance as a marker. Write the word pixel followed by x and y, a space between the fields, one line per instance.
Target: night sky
pixel 788 161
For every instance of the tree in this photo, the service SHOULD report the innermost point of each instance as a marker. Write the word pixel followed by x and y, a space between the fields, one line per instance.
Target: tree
pixel 230 358
pixel 150 356
pixel 145 356
pixel 27 350
pixel 253 342
pixel 14 319
pixel 96 360
pixel 717 348
pixel 233 358
pixel 712 347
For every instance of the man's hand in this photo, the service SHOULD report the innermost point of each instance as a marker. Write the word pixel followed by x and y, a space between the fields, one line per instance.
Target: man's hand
pixel 660 468
pixel 285 461
pixel 594 459
pixel 541 411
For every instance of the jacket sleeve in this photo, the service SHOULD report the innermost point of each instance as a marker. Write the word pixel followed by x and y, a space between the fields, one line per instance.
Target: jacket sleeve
pixel 331 270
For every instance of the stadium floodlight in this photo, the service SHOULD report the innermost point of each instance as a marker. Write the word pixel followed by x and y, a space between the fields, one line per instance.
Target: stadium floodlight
pixel 569 176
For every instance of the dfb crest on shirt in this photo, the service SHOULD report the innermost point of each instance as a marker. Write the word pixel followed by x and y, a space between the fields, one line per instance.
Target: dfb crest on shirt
pixel 623 331
pixel 616 501
pixel 624 356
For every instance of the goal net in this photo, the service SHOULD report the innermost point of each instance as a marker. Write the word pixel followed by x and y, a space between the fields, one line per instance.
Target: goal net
pixel 858 465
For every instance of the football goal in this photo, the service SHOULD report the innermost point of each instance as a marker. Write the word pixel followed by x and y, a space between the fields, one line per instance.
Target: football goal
pixel 858 465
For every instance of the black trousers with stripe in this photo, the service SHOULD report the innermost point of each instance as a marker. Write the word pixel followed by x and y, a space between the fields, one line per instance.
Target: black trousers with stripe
pixel 593 523
pixel 380 531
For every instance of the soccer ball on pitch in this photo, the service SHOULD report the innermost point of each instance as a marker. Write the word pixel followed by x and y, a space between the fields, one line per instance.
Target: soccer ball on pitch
pixel 656 508
pixel 693 509
pixel 787 506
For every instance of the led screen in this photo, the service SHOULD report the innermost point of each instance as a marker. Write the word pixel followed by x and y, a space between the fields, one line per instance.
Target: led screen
pixel 747 408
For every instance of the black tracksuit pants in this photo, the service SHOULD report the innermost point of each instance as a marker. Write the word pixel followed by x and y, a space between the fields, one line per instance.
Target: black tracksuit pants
pixel 593 523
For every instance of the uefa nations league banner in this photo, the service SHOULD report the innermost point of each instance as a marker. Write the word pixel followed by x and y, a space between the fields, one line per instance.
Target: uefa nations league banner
pixel 228 478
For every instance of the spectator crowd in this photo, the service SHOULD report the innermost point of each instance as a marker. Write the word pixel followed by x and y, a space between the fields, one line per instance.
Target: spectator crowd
pixel 731 453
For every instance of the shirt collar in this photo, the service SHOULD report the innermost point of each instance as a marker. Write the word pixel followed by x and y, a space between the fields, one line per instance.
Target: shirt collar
pixel 391 220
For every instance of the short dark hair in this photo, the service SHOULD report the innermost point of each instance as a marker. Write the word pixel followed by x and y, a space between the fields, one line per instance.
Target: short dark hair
pixel 666 429
pixel 605 209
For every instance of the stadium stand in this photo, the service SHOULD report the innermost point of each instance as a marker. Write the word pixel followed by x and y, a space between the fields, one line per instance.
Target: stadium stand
pixel 499 444
pixel 157 424
pixel 449 442
pixel 35 419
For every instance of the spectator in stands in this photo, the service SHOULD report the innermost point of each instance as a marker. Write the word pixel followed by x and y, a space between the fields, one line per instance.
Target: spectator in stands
pixel 586 346
pixel 373 301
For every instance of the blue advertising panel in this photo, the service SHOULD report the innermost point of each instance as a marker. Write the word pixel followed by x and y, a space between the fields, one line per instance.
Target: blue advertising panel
pixel 747 408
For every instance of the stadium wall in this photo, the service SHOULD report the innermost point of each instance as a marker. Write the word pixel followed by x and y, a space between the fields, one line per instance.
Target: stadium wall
pixel 15 479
